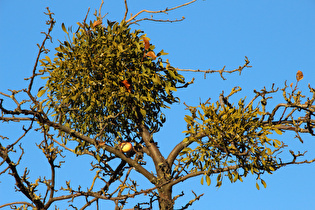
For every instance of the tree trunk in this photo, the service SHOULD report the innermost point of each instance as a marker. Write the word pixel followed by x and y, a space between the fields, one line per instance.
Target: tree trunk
pixel 165 198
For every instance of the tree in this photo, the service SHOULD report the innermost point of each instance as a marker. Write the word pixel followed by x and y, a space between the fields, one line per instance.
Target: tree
pixel 93 111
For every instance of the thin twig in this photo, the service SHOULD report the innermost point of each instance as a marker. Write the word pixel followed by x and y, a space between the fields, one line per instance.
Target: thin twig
pixel 14 203
pixel 100 9
pixel 159 11
pixel 158 20
pixel 126 10
pixel 221 71
pixel 50 22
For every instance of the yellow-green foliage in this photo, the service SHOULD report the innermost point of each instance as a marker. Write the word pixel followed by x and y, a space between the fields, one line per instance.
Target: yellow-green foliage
pixel 85 83
pixel 230 136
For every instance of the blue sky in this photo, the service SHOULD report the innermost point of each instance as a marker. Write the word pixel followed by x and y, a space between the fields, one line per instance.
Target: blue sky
pixel 277 36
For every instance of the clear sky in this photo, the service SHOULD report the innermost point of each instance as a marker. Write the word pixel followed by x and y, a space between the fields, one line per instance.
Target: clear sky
pixel 277 36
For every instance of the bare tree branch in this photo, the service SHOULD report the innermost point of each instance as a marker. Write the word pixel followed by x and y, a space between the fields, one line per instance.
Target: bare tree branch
pixel 4 154
pixel 17 203
pixel 192 201
pixel 239 69
pixel 158 20
pixel 132 18
pixel 42 49
pixel 126 10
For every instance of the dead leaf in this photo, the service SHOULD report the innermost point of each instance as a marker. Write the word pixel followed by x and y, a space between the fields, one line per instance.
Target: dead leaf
pixel 146 43
pixel 127 85
pixel 299 75
pixel 291 84
pixel 97 22
pixel 152 55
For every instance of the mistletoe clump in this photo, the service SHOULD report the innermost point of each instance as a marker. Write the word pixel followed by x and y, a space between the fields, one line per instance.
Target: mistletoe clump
pixel 108 80
pixel 233 137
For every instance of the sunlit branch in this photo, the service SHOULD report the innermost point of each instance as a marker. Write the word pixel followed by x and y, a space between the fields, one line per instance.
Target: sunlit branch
pixel 221 71
pixel 192 201
pixel 42 49
pixel 121 188
pixel 98 195
pixel 294 160
pixel 262 94
pixel 132 18
pixel 88 203
pixel 24 134
pixel 158 20
pixel 100 9
pixel 181 167
pixel 115 175
pixel 63 145
pixel 16 119
pixel 126 10
pixel 181 145
pixel 19 180
pixel 304 107
pixel 17 203
pixel 187 83
pixel 198 173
